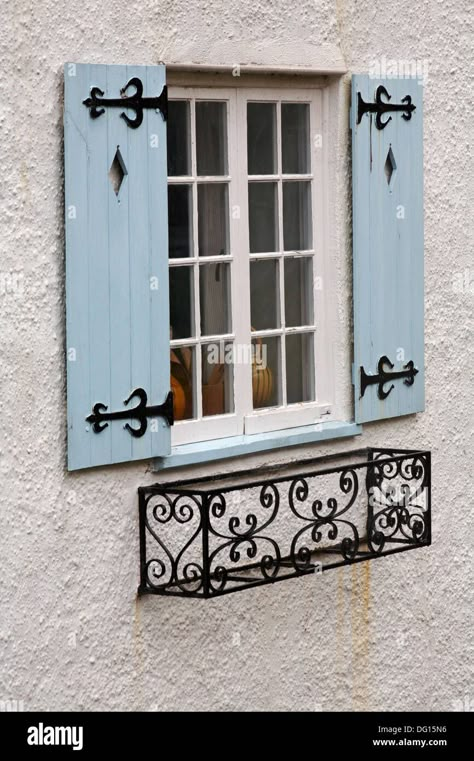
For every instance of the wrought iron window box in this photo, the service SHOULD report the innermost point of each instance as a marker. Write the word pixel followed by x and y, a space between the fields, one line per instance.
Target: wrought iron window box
pixel 212 536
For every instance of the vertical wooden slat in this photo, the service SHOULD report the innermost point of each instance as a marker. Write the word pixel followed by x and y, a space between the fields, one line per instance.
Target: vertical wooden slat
pixel 97 253
pixel 140 255
pixel 77 269
pixel 118 135
pixel 156 346
pixel 388 248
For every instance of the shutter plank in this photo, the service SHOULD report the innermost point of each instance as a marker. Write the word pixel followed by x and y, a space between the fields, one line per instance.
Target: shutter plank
pixel 388 249
pixel 97 253
pixel 158 298
pixel 76 123
pixel 141 253
pixel 120 265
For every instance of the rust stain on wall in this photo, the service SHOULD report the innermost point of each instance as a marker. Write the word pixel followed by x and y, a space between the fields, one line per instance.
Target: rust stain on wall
pixel 137 633
pixel 340 613
pixel 360 620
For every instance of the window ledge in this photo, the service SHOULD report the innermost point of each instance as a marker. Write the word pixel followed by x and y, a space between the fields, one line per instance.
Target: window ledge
pixel 234 446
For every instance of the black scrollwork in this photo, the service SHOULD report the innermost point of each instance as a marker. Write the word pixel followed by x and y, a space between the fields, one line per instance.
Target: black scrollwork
pixel 325 521
pixel 205 543
pixel 243 537
pixel 397 492
pixel 169 569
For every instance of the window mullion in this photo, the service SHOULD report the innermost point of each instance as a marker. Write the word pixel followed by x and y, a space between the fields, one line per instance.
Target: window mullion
pixel 203 179
pixel 322 345
pixel 240 227
pixel 180 180
pixel 281 262
pixel 197 297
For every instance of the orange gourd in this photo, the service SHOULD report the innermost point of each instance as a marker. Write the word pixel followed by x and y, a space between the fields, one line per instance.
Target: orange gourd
pixel 262 382
pixel 179 398
pixel 262 385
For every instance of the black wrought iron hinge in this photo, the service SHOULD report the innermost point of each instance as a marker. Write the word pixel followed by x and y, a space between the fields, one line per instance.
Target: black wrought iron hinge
pixel 97 104
pixel 383 376
pixel 141 412
pixel 380 107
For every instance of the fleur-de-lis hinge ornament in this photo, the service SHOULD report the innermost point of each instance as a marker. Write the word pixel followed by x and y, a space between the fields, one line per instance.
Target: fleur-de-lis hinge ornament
pixel 141 412
pixel 384 376
pixel 381 107
pixel 97 104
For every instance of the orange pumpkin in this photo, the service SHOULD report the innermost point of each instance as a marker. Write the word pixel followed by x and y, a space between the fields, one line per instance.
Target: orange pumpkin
pixel 262 382
pixel 179 398
pixel 181 384
pixel 262 385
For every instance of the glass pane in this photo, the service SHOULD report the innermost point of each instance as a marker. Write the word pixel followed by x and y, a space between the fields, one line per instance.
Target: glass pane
pixel 299 368
pixel 181 302
pixel 264 295
pixel 298 291
pixel 295 138
pixel 217 379
pixel 178 131
pixel 213 219
pixel 180 215
pixel 297 215
pixel 183 382
pixel 214 295
pixel 261 138
pixel 266 372
pixel 263 217
pixel 211 138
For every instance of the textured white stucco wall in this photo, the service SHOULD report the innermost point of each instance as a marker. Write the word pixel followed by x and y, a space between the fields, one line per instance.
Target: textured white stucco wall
pixel 395 634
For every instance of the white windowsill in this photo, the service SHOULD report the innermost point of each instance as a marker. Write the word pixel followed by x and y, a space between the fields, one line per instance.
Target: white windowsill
pixel 234 446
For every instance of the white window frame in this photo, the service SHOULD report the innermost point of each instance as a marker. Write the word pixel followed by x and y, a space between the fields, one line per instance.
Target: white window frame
pixel 245 420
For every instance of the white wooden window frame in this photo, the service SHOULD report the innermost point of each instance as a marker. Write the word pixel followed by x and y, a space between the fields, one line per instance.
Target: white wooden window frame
pixel 244 419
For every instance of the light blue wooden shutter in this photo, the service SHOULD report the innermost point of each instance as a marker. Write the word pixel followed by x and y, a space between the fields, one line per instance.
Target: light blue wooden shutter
pixel 387 169
pixel 116 264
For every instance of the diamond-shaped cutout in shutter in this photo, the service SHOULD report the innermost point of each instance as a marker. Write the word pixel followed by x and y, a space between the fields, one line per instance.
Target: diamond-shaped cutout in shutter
pixel 117 171
pixel 390 166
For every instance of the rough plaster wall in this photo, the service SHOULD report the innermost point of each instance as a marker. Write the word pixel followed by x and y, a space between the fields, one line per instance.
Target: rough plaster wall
pixel 393 634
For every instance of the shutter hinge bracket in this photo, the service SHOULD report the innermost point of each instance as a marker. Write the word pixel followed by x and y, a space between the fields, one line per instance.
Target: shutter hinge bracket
pixel 97 104
pixel 141 412
pixel 383 376
pixel 381 107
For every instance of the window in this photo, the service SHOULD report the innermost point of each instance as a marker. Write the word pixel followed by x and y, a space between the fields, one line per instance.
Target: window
pixel 253 256
pixel 246 258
